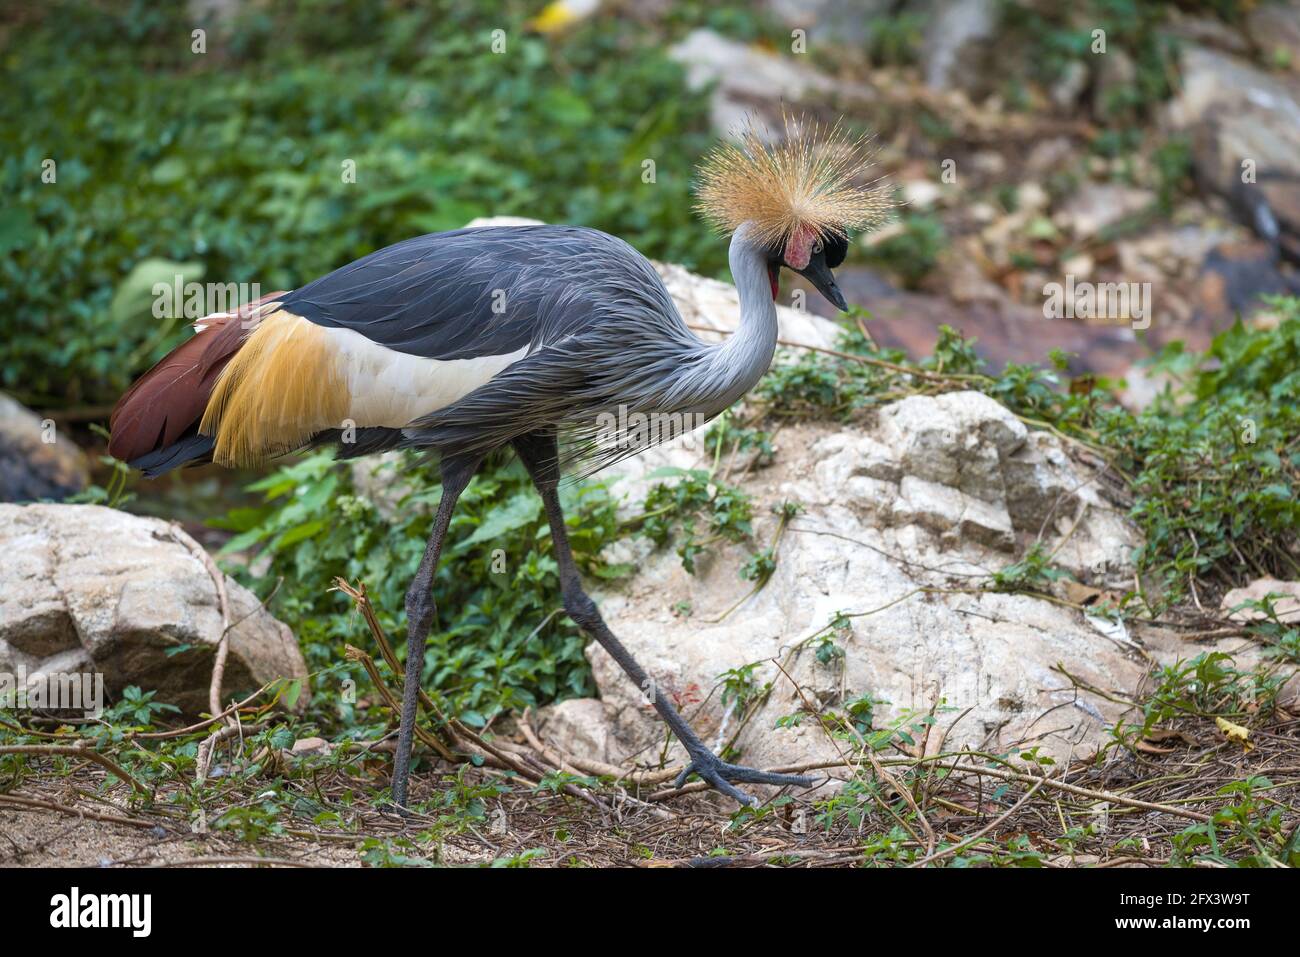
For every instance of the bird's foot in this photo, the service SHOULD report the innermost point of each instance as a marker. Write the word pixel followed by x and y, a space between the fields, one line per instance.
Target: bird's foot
pixel 721 776
pixel 399 810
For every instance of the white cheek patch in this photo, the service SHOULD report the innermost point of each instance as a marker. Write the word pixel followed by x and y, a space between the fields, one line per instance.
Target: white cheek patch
pixel 798 249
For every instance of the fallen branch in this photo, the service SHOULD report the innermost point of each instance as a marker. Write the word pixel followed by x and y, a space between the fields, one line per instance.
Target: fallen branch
pixel 367 610
pixel 207 722
pixel 203 760
pixel 1104 796
pixel 641 778
pixel 223 643
pixel 80 750
pixel 257 861
pixel 933 856
pixel 23 803
pixel 353 653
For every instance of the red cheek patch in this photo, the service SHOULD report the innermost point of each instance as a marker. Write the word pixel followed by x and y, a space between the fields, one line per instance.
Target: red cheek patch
pixel 798 249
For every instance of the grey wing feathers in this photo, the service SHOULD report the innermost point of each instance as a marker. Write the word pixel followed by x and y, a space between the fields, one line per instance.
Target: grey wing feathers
pixel 614 344
pixel 602 332
pixel 460 294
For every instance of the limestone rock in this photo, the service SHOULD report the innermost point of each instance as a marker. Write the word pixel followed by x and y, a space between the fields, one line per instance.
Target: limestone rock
pixel 1275 27
pixel 898 521
pixel 1245 130
pixel 578 726
pixel 120 594
pixel 958 41
pixel 36 460
pixel 743 75
pixel 1099 205
pixel 834 21
pixel 1286 607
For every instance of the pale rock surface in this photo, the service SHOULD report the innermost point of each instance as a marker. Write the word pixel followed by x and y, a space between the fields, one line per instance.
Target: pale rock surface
pixel 938 493
pixel 845 22
pixel 958 42
pixel 1276 28
pixel 743 75
pixel 1099 205
pixel 1287 607
pixel 83 587
pixel 36 460
pixel 1236 113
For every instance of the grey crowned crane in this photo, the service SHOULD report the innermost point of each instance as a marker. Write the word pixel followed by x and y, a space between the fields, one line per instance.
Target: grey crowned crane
pixel 525 336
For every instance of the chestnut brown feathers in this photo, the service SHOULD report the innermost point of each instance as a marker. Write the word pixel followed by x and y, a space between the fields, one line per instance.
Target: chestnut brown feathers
pixel 168 401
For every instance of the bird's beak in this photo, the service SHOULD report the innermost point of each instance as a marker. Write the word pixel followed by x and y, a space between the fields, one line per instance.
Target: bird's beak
pixel 819 274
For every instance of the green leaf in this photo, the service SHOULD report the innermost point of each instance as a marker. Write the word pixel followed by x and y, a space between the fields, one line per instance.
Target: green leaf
pixel 245 540
pixel 17 229
pixel 146 284
pixel 522 509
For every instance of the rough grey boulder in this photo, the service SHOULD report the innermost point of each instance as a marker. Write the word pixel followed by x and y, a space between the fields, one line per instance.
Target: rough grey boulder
pixel 88 588
pixel 742 75
pixel 959 41
pixel 900 525
pixel 36 461
pixel 1244 125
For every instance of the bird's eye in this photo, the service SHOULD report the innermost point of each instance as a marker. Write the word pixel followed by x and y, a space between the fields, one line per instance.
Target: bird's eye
pixel 817 247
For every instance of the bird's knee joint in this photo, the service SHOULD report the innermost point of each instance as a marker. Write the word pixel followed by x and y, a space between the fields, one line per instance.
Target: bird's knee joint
pixel 419 611
pixel 579 606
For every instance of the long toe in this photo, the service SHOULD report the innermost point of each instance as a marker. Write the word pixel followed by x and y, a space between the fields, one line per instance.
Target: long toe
pixel 723 777
pixel 738 772
pixel 716 781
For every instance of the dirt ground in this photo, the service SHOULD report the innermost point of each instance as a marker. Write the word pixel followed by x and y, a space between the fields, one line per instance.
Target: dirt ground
pixel 1129 809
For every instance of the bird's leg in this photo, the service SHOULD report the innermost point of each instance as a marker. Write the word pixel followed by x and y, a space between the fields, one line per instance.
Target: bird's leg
pixel 420 610
pixel 539 455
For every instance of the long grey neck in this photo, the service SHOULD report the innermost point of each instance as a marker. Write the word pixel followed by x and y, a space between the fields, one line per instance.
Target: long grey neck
pixel 741 361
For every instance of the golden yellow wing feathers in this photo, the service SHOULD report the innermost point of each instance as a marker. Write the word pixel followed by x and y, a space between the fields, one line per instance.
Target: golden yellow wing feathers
pixel 286 383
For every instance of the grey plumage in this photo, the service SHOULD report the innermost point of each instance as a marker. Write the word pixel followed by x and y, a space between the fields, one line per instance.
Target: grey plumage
pixel 470 341
pixel 602 341
pixel 606 342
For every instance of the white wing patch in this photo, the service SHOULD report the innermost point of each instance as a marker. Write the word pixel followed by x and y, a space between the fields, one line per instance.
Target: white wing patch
pixel 393 389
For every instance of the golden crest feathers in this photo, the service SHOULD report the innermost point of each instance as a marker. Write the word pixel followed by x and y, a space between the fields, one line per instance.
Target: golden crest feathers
pixel 809 180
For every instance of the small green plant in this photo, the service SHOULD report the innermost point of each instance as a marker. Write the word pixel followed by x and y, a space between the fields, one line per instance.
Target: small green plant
pixel 1207 686
pixel 523 859
pixel 391 853
pixel 1248 832
pixel 699 508
pixel 1032 573
pixel 740 687
pixel 138 709
pixel 252 823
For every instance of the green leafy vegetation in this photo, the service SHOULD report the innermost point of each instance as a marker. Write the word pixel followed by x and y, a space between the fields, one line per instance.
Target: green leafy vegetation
pixel 502 641
pixel 229 165
pixel 699 509
pixel 1212 465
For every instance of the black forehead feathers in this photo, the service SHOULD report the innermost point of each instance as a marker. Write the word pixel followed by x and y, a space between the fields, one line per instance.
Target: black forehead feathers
pixel 835 248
